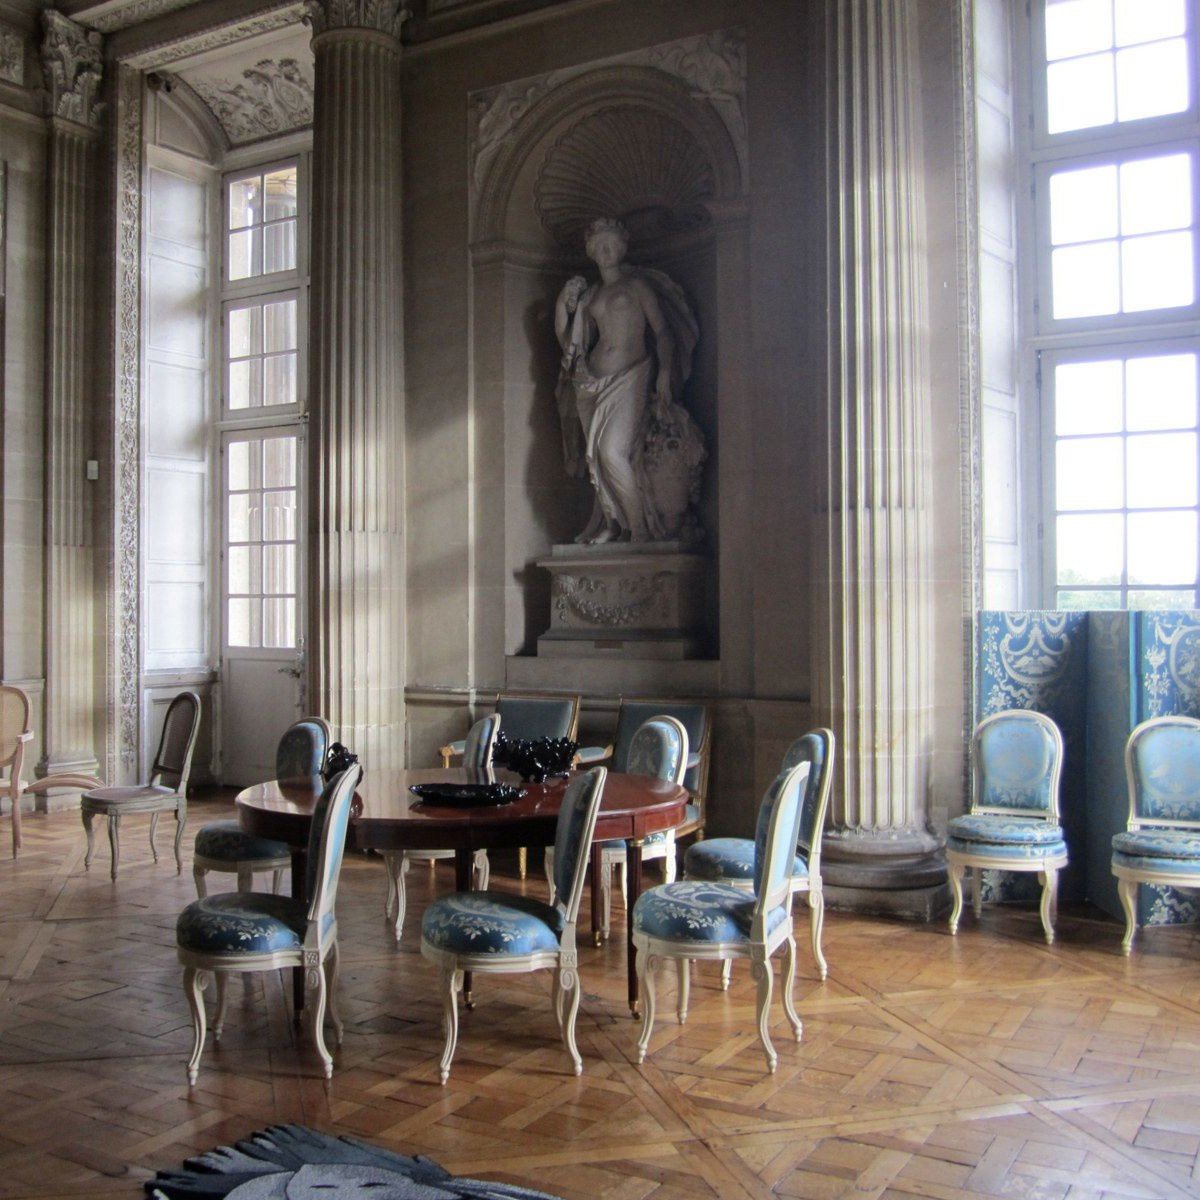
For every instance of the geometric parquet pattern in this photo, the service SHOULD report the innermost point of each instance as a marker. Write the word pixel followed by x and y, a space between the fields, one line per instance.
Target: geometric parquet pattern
pixel 988 1065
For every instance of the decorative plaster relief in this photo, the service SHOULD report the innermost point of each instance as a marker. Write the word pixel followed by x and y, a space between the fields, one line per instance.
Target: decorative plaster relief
pixel 385 16
pixel 615 603
pixel 269 97
pixel 174 48
pixel 123 16
pixel 74 63
pixel 713 65
pixel 12 57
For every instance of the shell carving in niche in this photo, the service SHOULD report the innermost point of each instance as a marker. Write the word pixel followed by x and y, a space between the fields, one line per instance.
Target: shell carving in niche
pixel 628 161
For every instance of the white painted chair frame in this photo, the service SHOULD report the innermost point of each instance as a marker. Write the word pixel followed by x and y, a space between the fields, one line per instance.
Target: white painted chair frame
pixel 1129 878
pixel 758 948
pixel 318 956
pixel 1047 866
pixel 564 961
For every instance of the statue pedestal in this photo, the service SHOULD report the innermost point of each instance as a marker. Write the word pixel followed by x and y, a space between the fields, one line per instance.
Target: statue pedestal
pixel 625 600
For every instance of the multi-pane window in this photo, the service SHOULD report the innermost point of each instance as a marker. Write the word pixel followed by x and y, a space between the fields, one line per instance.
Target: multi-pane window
pixel 263 211
pixel 1115 316
pixel 261 353
pixel 261 542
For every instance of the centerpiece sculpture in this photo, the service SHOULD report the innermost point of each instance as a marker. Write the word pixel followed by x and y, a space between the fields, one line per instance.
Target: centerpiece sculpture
pixel 537 759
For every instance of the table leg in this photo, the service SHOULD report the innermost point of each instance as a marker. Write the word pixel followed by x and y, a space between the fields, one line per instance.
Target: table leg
pixel 633 888
pixel 299 892
pixel 597 898
pixel 464 861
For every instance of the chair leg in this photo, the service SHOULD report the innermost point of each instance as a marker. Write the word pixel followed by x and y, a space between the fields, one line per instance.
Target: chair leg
pixel 332 967
pixel 557 996
pixel 548 863
pixel 198 877
pixel 153 831
pixel 397 864
pixel 90 834
pixel 222 993
pixel 816 905
pixel 977 891
pixel 522 861
pixel 1127 889
pixel 193 989
pixel 1049 878
pixel 571 988
pixel 482 870
pixel 726 973
pixel 245 877
pixel 276 880
pixel 452 982
pixel 684 970
pixel 606 873
pixel 114 842
pixel 955 871
pixel 180 822
pixel 645 964
pixel 670 862
pixel 16 818
pixel 315 978
pixel 764 976
pixel 789 985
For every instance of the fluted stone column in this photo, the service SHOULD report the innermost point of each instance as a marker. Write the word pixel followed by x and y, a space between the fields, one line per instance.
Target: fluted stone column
pixel 356 623
pixel 72 60
pixel 873 650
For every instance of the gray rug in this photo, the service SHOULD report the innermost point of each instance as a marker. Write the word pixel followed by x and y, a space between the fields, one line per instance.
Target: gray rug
pixel 290 1162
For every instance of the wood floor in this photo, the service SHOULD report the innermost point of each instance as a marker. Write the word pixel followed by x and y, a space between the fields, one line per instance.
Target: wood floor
pixel 986 1065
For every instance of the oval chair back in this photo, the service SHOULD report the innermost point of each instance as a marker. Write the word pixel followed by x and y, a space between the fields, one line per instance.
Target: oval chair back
pixel 302 749
pixel 816 748
pixel 775 842
pixel 1017 763
pixel 173 760
pixel 573 838
pixel 532 716
pixel 480 743
pixel 1162 769
pixel 659 748
pixel 14 721
pixel 327 842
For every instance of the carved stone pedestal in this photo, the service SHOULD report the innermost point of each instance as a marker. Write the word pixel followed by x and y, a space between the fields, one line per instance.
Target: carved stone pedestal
pixel 625 599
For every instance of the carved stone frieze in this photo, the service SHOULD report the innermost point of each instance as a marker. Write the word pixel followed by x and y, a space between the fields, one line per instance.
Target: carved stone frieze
pixel 12 57
pixel 269 97
pixel 73 60
pixel 615 603
pixel 384 16
pixel 173 48
pixel 124 16
pixel 712 65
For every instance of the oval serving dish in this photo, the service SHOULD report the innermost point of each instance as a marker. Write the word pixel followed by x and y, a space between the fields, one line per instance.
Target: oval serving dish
pixel 467 795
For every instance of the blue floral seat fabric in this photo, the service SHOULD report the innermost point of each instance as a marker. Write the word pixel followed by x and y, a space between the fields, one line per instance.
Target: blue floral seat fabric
pixel 228 841
pixel 242 922
pixel 1024 834
pixel 729 858
pixel 491 923
pixel 1180 845
pixel 699 912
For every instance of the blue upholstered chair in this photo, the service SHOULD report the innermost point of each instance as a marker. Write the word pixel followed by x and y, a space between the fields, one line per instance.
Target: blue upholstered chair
pixel 1161 843
pixel 693 919
pixel 225 846
pixel 527 716
pixel 731 860
pixel 260 931
pixel 499 932
pixel 1012 824
pixel 165 791
pixel 477 756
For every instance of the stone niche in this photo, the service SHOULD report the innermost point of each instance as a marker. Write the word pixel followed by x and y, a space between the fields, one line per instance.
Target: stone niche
pixel 656 139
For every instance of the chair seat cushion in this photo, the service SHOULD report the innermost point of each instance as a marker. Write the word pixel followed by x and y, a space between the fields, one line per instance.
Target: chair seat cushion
pixel 491 923
pixel 1011 831
pixel 1163 866
pixel 242 922
pixel 134 794
pixel 228 842
pixel 1012 852
pixel 1182 845
pixel 698 911
pixel 728 858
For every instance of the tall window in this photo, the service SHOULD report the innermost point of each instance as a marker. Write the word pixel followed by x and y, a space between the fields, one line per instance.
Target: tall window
pixel 1114 314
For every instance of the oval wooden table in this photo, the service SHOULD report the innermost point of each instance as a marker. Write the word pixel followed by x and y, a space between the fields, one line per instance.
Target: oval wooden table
pixel 387 816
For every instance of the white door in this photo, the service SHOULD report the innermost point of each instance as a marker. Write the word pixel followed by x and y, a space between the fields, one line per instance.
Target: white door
pixel 262 655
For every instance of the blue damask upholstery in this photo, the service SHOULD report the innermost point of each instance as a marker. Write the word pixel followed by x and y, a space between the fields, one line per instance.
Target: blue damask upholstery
pixel 1159 843
pixel 302 750
pixel 634 714
pixel 1018 852
pixel 1165 766
pixel 226 840
pixel 243 923
pixel 729 858
pixel 700 912
pixel 491 923
pixel 1016 758
pixel 1016 831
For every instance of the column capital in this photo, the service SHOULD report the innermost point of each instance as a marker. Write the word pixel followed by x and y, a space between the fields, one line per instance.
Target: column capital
pixel 73 61
pixel 380 16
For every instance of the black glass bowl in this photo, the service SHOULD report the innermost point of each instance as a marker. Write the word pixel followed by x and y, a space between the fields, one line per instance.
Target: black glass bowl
pixel 467 795
pixel 537 759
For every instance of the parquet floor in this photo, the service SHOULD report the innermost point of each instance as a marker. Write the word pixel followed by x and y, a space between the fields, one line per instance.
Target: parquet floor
pixel 988 1065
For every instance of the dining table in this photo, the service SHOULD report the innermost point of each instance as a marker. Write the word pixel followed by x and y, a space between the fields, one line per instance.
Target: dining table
pixel 386 816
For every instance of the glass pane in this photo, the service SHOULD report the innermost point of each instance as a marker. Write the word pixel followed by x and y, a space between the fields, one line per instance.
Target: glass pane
pixel 1176 598
pixel 279 569
pixel 279 462
pixel 244 622
pixel 243 519
pixel 1156 272
pixel 244 254
pixel 279 384
pixel 1081 601
pixel 279 321
pixel 1161 392
pixel 1156 193
pixel 245 331
pixel 280 252
pixel 1087 397
pixel 1077 27
pixel 1090 549
pixel 1146 20
pixel 1083 205
pixel 1089 473
pixel 245 569
pixel 279 622
pixel 238 458
pixel 281 193
pixel 1162 470
pixel 1152 80
pixel 245 202
pixel 1162 548
pixel 1085 280
pixel 1080 93
pixel 279 516
pixel 243 383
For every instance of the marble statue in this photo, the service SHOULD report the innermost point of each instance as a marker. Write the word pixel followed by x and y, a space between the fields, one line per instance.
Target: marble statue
pixel 627 343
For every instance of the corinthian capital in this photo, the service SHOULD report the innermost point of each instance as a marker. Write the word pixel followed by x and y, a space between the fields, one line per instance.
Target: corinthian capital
pixel 73 62
pixel 384 16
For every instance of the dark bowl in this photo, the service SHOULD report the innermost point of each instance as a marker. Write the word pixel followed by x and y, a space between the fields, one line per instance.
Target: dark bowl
pixel 535 760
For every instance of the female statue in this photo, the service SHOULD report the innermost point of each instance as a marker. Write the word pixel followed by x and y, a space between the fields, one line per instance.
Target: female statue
pixel 627 346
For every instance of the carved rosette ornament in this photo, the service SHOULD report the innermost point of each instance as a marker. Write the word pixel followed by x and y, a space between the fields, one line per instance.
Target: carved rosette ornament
pixel 383 16
pixel 73 61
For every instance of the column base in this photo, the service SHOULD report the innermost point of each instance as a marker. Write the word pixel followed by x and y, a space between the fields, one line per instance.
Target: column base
pixel 55 799
pixel 899 874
